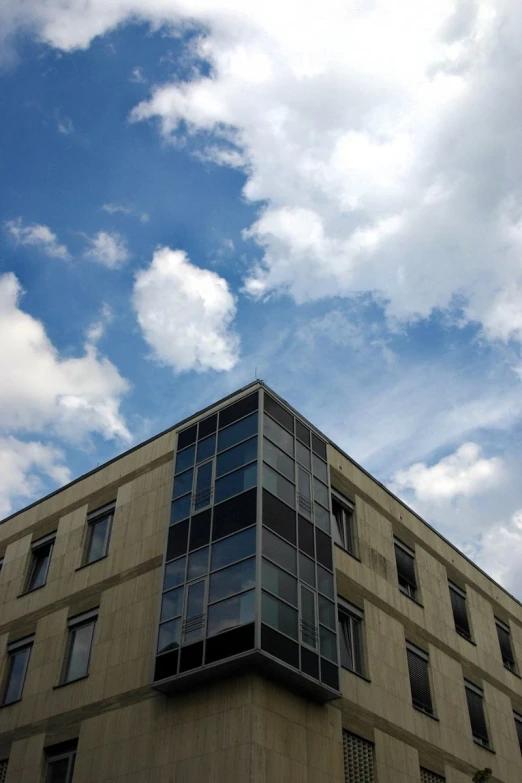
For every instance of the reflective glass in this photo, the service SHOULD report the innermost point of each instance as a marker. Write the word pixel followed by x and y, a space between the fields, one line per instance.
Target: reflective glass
pixel 326 612
pixel 278 435
pixel 279 551
pixel 177 540
pixel 186 437
pixel 322 517
pixel 180 509
pixel 279 615
pixel 40 559
pixel 279 582
pixel 303 483
pixel 98 538
pixel 185 458
pixel 174 573
pixel 233 548
pixel 328 641
pixel 308 626
pixel 279 413
pixel 236 482
pixel 207 426
pixel 306 570
pixel 325 581
pixel 234 611
pixel 17 664
pixel 206 448
pixel 278 459
pixel 200 529
pixel 241 430
pixel 197 564
pixel 234 579
pixel 183 483
pixel 302 432
pixel 319 468
pixel 321 493
pixel 195 599
pixel 171 604
pixel 319 446
pixel 169 636
pixel 237 456
pixel 235 514
pixel 80 642
pixel 238 410
pixel 278 485
pixel 204 479
pixel 303 455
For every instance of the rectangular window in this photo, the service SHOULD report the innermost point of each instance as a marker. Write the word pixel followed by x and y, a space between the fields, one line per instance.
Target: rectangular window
pixel 60 762
pixel 477 716
pixel 343 529
pixel 3 770
pixel 18 655
pixel 458 605
pixel 99 524
pixel 504 640
pixel 518 727
pixel 418 661
pixel 79 645
pixel 405 560
pixel 350 638
pixel 430 777
pixel 41 552
pixel 358 759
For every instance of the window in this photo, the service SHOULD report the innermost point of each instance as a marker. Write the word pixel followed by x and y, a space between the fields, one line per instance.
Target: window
pixel 279 615
pixel 504 640
pixel 405 560
pixel 18 654
pixel 518 727
pixel 430 777
pixel 278 485
pixel 308 618
pixel 1 566
pixel 60 762
pixel 234 579
pixel 79 645
pixel 99 525
pixel 343 530
pixel 237 610
pixel 477 716
pixel 358 759
pixel 460 615
pixel 350 638
pixel 233 548
pixel 236 482
pixel 41 552
pixel 279 582
pixel 3 770
pixel 419 678
pixel 279 551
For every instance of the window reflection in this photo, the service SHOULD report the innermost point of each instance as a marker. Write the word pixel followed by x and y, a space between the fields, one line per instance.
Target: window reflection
pixel 236 482
pixel 239 455
pixel 232 580
pixel 174 573
pixel 279 582
pixel 279 615
pixel 279 551
pixel 206 448
pixel 197 564
pixel 236 432
pixel 278 485
pixel 233 548
pixel 169 636
pixel 172 604
pixel 185 459
pixel 234 611
pixel 278 435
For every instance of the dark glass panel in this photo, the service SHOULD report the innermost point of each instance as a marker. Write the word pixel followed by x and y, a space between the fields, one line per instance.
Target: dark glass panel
pixel 174 573
pixel 278 516
pixel 306 570
pixel 306 536
pixel 200 529
pixel 308 618
pixel 323 547
pixel 322 517
pixel 40 559
pixel 321 493
pixel 185 459
pixel 207 426
pixel 233 579
pixel 177 540
pixel 206 449
pixel 180 509
pixel 318 446
pixel 280 646
pixel 17 666
pixel 230 643
pixel 302 432
pixel 197 564
pixel 278 485
pixel 328 641
pixel 278 459
pixel 309 663
pixel 279 615
pixel 319 468
pixel 278 435
pixel 239 455
pixel 279 413
pixel 234 514
pixel 325 582
pixel 196 597
pixel 183 483
pixel 326 612
pixel 236 482
pixel 172 604
pixel 238 410
pixel 279 582
pixel 187 437
pixel 233 548
pixel 302 454
pixel 237 610
pixel 191 657
pixel 203 485
pixel 169 636
pixel 279 551
pixel 329 674
pixel 166 665
pixel 237 432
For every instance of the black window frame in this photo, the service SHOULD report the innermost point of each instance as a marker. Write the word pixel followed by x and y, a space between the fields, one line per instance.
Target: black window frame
pixel 14 649
pixel 419 676
pixel 475 697
pixel 94 518
pixel 505 644
pixel 57 753
pixel 459 608
pixel 517 717
pixel 343 533
pixel 408 584
pixel 73 625
pixel 45 542
pixel 351 617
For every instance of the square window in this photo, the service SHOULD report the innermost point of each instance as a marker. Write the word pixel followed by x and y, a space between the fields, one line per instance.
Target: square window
pixel 41 552
pixel 234 579
pixel 60 761
pixel 79 646
pixel 18 655
pixel 236 482
pixel 230 550
pixel 279 582
pixel 99 524
pixel 279 615
pixel 237 610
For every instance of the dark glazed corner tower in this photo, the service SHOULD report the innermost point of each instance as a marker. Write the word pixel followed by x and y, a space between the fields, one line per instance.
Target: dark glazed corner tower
pixel 248 577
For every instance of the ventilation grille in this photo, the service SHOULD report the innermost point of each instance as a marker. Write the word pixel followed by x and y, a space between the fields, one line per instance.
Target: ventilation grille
pixel 358 759
pixel 430 777
pixel 3 771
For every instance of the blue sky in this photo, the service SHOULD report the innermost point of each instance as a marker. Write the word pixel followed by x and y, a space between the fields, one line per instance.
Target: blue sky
pixel 193 193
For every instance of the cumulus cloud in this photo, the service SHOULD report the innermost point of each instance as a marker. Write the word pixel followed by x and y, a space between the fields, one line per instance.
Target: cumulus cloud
pixel 38 236
pixel 108 248
pixel 185 313
pixel 463 473
pixel 41 391
pixel 499 552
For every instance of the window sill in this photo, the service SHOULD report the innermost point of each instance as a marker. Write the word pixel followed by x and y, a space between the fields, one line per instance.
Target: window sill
pixel 425 712
pixel 32 590
pixel 512 671
pixel 415 601
pixel 467 638
pixel 92 562
pixel 10 703
pixel 357 674
pixel 484 747
pixel 69 682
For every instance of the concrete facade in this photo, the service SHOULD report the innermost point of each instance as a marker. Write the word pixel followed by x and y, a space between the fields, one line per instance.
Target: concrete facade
pixel 246 727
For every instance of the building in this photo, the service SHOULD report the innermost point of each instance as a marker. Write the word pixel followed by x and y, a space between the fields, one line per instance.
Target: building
pixel 237 600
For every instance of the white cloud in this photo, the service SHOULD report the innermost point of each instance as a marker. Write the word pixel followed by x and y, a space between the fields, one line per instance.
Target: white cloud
pixel 500 550
pixel 113 209
pixel 108 248
pixel 463 473
pixel 137 76
pixel 36 235
pixel 24 469
pixel 97 329
pixel 186 313
pixel 40 391
pixel 65 125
